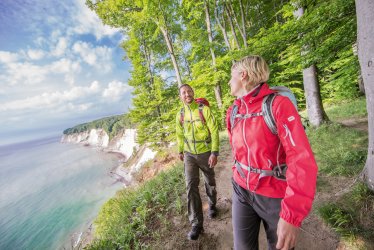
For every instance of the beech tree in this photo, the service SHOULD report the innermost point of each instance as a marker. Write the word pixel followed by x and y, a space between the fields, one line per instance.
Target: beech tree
pixel 217 88
pixel 316 114
pixel 199 39
pixel 365 37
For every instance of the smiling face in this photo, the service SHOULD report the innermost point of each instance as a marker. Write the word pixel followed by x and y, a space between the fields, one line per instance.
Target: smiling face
pixel 186 94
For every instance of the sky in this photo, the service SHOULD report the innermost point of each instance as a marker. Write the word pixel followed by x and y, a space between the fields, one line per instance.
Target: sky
pixel 59 67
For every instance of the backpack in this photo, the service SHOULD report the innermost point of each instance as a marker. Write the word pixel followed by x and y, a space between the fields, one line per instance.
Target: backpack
pixel 267 111
pixel 201 102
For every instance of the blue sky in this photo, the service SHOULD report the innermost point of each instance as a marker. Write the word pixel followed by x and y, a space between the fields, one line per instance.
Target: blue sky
pixel 59 66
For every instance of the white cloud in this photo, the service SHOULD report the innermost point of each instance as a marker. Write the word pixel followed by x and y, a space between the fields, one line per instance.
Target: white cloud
pixel 8 57
pixel 51 100
pixel 25 73
pixel 64 66
pixel 99 57
pixel 61 47
pixel 115 91
pixel 88 22
pixel 35 54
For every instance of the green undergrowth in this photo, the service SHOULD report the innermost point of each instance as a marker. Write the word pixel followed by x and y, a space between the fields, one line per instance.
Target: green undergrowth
pixel 341 151
pixel 348 109
pixel 338 150
pixel 352 216
pixel 135 216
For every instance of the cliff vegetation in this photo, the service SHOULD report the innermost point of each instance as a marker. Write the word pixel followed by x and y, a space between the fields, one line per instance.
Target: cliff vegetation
pixel 111 125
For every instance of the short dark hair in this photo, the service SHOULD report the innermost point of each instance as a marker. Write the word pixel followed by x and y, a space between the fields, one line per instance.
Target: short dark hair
pixel 184 85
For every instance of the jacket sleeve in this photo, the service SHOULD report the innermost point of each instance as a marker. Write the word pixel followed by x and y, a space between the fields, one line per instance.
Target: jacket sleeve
pixel 302 168
pixel 212 124
pixel 179 133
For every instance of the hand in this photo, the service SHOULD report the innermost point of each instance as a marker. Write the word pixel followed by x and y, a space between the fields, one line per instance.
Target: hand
pixel 212 160
pixel 287 234
pixel 181 156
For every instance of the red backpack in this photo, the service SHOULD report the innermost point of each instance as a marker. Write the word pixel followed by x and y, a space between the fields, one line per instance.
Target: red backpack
pixel 201 102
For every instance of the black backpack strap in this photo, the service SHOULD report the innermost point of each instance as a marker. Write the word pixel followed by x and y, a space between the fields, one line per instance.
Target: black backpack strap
pixel 267 111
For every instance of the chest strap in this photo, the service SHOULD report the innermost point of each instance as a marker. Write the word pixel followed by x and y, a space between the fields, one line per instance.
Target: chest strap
pixel 278 172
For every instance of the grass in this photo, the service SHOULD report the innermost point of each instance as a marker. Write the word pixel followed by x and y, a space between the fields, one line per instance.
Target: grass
pixel 349 109
pixel 134 216
pixel 352 216
pixel 342 151
pixel 338 150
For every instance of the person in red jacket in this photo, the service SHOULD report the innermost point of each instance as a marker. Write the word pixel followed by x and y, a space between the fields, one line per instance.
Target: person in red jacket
pixel 274 175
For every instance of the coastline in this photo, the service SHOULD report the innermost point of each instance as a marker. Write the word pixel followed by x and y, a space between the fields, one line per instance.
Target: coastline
pixel 125 148
pixel 80 239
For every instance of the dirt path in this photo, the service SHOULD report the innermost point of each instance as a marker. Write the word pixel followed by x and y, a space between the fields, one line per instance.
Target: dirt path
pixel 360 124
pixel 218 232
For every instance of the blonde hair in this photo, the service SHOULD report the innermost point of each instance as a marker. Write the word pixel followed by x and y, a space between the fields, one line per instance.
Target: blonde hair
pixel 256 68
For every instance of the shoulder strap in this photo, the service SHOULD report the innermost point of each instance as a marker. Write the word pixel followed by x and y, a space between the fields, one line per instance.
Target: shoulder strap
pixel 267 111
pixel 181 118
pixel 201 114
pixel 234 112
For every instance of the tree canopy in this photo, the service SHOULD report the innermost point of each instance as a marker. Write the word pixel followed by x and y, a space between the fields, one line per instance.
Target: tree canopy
pixel 171 42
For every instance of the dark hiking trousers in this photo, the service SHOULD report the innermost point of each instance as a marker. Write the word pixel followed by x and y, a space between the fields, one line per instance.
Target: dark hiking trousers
pixel 192 164
pixel 248 210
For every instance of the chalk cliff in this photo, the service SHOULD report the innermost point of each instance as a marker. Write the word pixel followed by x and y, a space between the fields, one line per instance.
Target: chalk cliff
pixel 124 142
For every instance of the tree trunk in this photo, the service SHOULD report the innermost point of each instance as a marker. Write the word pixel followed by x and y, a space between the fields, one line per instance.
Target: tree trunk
pixel 217 89
pixel 209 30
pixel 243 23
pixel 241 29
pixel 365 35
pixel 169 45
pixel 360 81
pixel 222 25
pixel 314 106
pixel 316 113
pixel 232 27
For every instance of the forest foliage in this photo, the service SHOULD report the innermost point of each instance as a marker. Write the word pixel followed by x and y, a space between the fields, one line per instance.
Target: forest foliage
pixel 170 42
pixel 111 125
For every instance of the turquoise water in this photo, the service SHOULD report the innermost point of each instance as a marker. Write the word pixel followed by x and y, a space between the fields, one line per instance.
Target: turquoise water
pixel 49 191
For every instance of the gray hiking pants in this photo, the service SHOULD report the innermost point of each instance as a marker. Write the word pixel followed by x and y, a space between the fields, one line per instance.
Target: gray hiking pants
pixel 192 164
pixel 248 210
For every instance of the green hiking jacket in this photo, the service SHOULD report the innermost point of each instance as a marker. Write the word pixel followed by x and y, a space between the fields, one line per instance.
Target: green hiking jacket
pixel 193 136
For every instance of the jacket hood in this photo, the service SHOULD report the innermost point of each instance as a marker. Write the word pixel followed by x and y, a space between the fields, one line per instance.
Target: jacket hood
pixel 255 95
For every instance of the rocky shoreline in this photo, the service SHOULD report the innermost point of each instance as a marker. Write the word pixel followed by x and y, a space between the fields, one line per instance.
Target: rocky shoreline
pixel 125 148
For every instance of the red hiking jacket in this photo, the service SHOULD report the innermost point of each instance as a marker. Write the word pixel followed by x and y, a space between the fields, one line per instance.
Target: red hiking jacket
pixel 254 145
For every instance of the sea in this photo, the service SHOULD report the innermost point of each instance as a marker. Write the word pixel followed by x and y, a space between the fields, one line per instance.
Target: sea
pixel 51 192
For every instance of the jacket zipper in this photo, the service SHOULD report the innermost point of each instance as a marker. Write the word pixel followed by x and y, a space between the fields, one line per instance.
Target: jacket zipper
pixel 193 133
pixel 289 134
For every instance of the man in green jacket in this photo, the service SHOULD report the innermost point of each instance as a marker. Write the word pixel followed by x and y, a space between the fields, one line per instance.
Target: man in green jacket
pixel 198 145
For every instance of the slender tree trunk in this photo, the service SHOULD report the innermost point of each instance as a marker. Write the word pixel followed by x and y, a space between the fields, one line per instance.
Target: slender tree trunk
pixel 209 30
pixel 217 89
pixel 162 24
pixel 365 35
pixel 169 45
pixel 241 31
pixel 232 26
pixel 222 25
pixel 243 23
pixel 316 113
pixel 188 68
pixel 147 56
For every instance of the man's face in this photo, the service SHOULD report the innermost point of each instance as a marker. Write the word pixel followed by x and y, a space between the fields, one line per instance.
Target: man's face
pixel 186 95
